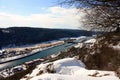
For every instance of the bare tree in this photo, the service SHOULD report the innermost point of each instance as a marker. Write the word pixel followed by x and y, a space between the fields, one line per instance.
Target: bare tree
pixel 102 17
pixel 100 14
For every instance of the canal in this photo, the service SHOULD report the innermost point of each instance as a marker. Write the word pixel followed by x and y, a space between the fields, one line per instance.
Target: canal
pixel 41 54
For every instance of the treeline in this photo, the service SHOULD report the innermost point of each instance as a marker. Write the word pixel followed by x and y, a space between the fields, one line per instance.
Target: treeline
pixel 24 35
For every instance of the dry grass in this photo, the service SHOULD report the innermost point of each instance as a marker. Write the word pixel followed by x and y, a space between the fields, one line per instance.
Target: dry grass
pixel 43 45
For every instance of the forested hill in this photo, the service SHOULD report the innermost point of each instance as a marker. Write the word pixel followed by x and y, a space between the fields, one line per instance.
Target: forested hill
pixel 25 35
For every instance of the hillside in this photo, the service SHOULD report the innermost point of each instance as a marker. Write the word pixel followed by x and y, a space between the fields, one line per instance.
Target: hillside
pixel 95 58
pixel 68 69
pixel 24 35
pixel 100 57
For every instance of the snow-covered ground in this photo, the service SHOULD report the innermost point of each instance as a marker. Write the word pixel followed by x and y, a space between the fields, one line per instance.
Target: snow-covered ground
pixel 79 45
pixel 117 46
pixel 68 69
pixel 91 41
pixel 87 40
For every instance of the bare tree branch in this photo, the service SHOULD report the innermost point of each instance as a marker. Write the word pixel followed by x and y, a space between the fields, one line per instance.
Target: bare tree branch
pixel 99 13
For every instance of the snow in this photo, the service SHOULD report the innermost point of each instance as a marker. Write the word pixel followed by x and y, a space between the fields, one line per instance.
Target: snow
pixel 116 46
pixel 81 37
pixel 67 64
pixel 79 45
pixel 1 51
pixel 69 69
pixel 85 40
pixel 55 55
pixel 91 41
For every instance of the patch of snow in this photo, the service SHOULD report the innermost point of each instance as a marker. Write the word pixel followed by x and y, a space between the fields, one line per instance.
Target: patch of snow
pixel 39 67
pixel 81 37
pixel 116 46
pixel 91 41
pixel 70 69
pixel 6 31
pixel 79 45
pixel 67 63
pixel 55 55
pixel 1 51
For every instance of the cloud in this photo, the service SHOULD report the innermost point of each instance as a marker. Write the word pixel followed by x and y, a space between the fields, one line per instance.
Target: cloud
pixel 55 17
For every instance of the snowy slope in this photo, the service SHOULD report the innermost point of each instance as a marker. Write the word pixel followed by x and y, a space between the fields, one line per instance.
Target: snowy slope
pixel 68 69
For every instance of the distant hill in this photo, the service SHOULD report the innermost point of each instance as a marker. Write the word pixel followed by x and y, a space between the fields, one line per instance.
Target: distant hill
pixel 26 35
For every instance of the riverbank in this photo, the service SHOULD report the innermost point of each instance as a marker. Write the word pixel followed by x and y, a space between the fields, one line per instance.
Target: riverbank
pixel 11 54
pixel 36 46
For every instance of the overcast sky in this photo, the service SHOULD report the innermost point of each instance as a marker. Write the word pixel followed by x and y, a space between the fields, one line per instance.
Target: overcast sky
pixel 37 13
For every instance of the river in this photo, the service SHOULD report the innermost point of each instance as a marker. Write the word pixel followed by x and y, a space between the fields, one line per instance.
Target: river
pixel 41 54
